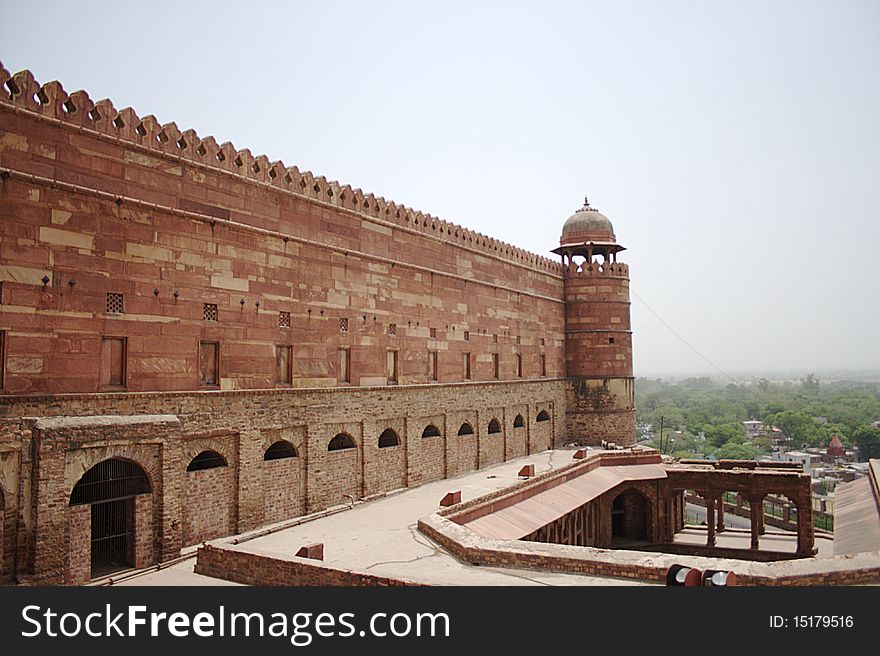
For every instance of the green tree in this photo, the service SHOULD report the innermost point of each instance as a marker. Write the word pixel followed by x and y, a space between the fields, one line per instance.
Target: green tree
pixel 868 441
pixel 799 427
pixel 718 436
pixel 733 451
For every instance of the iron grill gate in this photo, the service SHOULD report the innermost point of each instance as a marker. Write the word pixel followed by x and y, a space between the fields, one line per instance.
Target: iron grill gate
pixel 112 536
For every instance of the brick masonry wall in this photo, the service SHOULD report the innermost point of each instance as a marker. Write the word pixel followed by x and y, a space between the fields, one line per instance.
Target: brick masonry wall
pixel 282 489
pixel 256 569
pixel 144 531
pixel 209 505
pixel 601 409
pixel 240 426
pixel 79 524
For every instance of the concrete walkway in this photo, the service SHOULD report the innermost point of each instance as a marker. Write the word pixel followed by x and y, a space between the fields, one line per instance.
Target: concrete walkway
pixel 380 537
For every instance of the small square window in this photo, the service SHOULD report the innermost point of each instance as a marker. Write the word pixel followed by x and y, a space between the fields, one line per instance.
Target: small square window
pixel 115 303
pixel 392 329
pixel 433 333
pixel 209 312
pixel 610 340
pixel 542 341
pixel 495 338
pixel 284 319
pixel 343 325
pixel 467 335
pixel 518 339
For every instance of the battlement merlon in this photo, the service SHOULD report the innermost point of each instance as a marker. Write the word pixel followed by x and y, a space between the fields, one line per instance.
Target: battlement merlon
pixel 50 101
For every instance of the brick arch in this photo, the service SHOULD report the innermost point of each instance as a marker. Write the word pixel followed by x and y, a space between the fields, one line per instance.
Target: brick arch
pixel 138 487
pixel 541 435
pixel 295 437
pixel 86 459
pixel 388 438
pixel 280 446
pixel 467 444
pixel 283 483
pixel 79 517
pixel 338 474
pixel 209 495
pixel 194 447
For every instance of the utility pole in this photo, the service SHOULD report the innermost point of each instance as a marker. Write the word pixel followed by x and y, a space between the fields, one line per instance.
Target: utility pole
pixel 661 434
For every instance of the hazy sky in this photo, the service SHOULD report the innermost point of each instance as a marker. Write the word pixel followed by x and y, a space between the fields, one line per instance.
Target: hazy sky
pixel 734 145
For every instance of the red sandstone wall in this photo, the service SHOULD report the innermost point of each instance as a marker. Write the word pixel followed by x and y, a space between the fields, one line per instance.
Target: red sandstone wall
pixel 131 213
pixel 597 312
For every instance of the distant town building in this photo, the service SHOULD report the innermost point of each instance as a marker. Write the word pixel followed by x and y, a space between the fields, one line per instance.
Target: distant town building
pixel 753 428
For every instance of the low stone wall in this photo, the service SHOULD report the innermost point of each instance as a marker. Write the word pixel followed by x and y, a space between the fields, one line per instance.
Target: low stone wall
pixel 467 546
pixel 256 569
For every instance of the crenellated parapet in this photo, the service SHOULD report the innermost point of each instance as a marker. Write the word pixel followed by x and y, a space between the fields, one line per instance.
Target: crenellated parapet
pixel 50 101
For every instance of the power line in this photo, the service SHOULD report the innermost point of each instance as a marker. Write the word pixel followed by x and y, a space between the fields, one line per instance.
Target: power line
pixel 672 330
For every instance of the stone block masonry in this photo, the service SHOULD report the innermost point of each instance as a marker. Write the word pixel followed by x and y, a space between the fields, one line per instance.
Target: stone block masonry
pixel 163 297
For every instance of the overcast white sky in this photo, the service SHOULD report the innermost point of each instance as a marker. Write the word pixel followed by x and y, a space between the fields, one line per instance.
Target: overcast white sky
pixel 734 145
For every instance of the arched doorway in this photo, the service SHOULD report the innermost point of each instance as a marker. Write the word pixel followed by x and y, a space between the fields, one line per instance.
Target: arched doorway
pixel 110 489
pixel 630 518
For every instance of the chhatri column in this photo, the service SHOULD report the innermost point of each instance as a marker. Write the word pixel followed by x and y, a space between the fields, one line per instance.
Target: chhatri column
pixel 721 513
pixel 761 516
pixel 710 518
pixel 805 530
pixel 755 504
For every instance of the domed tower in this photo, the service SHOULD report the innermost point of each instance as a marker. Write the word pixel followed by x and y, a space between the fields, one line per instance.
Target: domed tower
pixel 600 399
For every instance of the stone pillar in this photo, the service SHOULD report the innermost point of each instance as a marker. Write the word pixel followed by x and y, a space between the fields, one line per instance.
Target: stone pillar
pixel 761 516
pixel 144 531
pixel 786 513
pixel 79 544
pixel 755 520
pixel 710 519
pixel 720 527
pixel 805 529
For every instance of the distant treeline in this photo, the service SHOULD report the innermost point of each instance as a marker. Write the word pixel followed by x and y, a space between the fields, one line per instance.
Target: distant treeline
pixel 798 409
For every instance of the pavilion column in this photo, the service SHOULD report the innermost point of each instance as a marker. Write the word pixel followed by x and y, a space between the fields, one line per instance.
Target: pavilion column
pixel 682 507
pixel 721 513
pixel 761 516
pixel 710 518
pixel 755 505
pixel 805 529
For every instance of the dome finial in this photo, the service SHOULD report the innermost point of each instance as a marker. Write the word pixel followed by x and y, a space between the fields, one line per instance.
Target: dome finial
pixel 586 201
